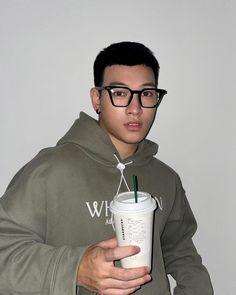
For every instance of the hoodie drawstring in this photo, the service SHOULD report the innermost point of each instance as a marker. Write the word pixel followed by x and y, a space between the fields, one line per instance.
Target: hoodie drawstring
pixel 121 166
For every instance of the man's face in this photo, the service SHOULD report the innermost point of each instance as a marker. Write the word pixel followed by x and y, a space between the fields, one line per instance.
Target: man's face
pixel 126 126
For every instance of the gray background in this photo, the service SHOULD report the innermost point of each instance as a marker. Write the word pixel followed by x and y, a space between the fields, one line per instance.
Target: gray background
pixel 46 56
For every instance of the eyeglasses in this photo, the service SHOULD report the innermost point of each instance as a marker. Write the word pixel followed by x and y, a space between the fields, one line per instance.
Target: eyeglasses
pixel 122 96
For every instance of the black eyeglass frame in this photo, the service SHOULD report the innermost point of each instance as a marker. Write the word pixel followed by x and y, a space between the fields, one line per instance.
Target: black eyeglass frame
pixel 161 92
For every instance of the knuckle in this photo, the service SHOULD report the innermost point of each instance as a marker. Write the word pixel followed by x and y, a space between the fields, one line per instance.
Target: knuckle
pixel 114 253
pixel 102 274
pixel 126 275
pixel 101 286
pixel 124 285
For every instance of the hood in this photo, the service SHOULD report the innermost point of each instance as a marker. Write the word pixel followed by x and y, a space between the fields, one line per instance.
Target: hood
pixel 87 134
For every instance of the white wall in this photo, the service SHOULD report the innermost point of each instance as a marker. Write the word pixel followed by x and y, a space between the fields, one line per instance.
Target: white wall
pixel 46 55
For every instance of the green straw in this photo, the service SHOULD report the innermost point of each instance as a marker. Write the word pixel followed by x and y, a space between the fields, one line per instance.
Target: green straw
pixel 135 188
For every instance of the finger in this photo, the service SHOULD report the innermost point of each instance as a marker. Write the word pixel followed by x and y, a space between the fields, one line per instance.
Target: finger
pixel 129 274
pixel 112 243
pixel 118 253
pixel 118 284
pixel 120 291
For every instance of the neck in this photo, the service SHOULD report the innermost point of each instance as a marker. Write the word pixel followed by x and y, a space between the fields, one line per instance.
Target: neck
pixel 125 150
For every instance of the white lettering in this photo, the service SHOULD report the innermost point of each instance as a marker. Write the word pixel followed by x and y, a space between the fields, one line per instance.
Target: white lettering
pixel 107 208
pixel 95 209
pixel 108 221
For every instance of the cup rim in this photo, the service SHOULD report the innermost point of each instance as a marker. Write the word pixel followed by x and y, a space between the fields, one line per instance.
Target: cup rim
pixel 123 203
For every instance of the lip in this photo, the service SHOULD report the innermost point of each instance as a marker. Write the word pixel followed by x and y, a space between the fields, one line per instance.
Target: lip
pixel 133 126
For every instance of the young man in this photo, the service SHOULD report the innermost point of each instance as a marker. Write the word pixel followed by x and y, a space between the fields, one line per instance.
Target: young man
pixel 55 229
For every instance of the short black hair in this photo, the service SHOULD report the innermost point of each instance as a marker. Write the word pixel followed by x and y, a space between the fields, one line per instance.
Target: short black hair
pixel 124 53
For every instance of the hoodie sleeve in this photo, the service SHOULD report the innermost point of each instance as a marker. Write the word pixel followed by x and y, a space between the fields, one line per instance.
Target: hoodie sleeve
pixel 28 265
pixel 182 261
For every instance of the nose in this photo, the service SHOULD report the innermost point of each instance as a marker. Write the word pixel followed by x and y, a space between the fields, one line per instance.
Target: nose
pixel 134 107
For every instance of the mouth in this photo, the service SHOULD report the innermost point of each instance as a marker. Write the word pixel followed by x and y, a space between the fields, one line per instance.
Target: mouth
pixel 133 126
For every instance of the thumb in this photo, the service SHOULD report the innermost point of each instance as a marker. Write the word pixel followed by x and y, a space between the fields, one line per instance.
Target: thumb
pixel 111 243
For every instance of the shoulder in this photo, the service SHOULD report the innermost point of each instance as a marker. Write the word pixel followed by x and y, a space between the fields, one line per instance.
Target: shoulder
pixel 164 169
pixel 51 161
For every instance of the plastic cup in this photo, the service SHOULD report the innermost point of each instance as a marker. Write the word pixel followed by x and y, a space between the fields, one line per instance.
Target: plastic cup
pixel 133 223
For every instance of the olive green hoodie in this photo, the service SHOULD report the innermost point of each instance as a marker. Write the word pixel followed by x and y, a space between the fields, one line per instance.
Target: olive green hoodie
pixel 58 204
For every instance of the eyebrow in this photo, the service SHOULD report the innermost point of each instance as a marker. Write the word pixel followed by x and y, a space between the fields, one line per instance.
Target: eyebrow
pixel 118 83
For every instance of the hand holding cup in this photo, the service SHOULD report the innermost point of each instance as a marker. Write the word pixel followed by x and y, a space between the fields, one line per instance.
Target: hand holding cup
pixel 97 272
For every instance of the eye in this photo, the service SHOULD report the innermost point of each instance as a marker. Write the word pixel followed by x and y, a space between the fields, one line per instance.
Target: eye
pixel 119 92
pixel 149 93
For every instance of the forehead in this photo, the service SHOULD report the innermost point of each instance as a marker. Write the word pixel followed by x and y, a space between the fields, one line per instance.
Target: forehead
pixel 128 75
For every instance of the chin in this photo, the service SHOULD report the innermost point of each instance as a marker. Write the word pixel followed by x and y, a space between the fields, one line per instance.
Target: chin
pixel 134 140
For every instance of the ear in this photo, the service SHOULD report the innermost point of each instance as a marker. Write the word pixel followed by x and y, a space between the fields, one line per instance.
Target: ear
pixel 95 98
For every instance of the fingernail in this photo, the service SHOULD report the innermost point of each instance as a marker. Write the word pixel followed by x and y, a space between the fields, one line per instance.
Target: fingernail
pixel 137 248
